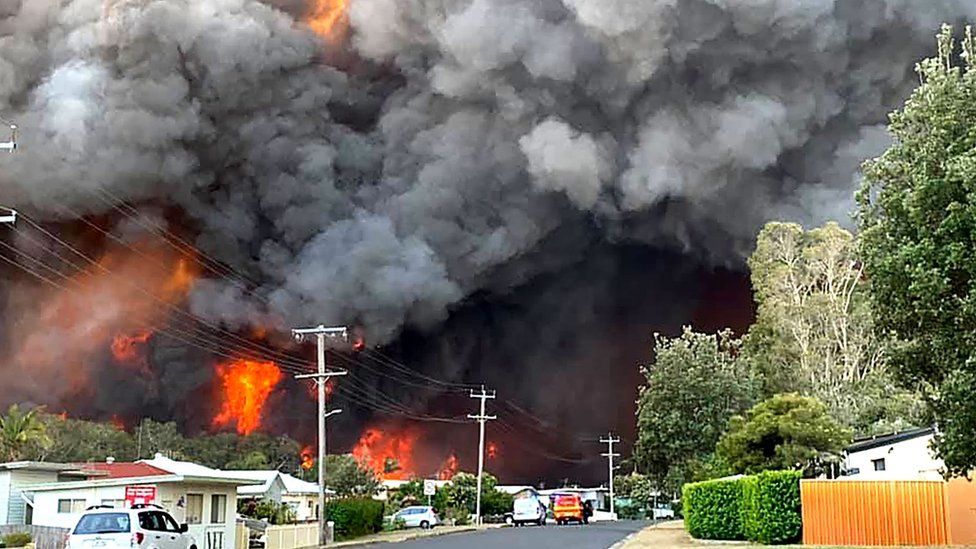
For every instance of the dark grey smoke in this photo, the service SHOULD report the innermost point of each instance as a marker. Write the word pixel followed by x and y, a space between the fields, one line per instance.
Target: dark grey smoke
pixel 507 120
pixel 466 133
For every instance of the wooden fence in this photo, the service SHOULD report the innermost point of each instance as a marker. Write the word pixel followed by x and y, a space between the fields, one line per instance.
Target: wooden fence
pixel 45 537
pixel 292 536
pixel 851 512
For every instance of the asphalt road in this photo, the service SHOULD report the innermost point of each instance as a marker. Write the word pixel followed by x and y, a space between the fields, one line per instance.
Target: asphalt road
pixel 600 535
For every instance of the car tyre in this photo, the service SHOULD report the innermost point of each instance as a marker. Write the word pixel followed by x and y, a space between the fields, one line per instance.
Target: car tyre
pixel 424 525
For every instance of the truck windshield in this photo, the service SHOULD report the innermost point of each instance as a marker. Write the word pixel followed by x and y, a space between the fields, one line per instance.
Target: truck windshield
pixel 103 523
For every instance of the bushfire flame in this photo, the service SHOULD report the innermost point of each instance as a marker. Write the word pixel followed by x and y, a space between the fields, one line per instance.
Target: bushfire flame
pixel 389 455
pixel 449 468
pixel 67 332
pixel 308 461
pixel 492 450
pixel 328 18
pixel 125 347
pixel 245 387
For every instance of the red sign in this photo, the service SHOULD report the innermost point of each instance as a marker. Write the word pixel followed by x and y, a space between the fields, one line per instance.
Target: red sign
pixel 135 495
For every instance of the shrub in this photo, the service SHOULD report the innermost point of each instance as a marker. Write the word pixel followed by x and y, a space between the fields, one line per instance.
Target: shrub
pixel 17 539
pixel 748 510
pixel 355 517
pixel 771 507
pixel 712 509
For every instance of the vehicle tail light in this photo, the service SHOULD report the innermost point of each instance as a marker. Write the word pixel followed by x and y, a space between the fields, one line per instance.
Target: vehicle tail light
pixel 137 539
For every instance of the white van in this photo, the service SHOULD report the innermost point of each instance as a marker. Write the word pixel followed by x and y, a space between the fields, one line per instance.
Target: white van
pixel 528 510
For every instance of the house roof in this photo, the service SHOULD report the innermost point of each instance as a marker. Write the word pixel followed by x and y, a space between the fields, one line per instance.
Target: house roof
pixel 38 466
pixel 123 470
pixel 103 483
pixel 290 485
pixel 295 485
pixel 878 441
pixel 258 481
pixel 186 468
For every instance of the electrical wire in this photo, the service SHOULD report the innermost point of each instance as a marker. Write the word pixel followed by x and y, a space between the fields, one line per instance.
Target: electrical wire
pixel 254 348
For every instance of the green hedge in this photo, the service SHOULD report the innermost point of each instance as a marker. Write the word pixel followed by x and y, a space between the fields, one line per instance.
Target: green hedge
pixel 355 517
pixel 748 507
pixel 712 509
pixel 772 514
pixel 764 508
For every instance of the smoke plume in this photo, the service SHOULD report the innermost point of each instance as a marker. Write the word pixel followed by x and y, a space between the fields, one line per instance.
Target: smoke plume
pixel 444 149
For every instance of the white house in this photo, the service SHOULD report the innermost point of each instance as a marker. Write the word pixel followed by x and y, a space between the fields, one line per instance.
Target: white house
pixel 14 476
pixel 203 498
pixel 301 496
pixel 906 455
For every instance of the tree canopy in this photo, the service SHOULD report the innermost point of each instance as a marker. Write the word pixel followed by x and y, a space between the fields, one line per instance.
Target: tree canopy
pixel 348 477
pixel 694 386
pixel 814 332
pixel 21 433
pixel 784 432
pixel 917 219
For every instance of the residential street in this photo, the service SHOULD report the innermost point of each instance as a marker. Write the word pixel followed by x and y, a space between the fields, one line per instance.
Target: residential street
pixel 593 536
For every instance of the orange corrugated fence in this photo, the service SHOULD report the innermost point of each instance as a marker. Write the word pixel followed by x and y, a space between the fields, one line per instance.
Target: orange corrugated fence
pixel 871 512
pixel 846 512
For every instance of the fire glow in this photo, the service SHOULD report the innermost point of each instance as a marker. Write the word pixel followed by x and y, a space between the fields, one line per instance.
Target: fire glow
pixel 245 387
pixel 449 468
pixel 389 455
pixel 101 309
pixel 308 461
pixel 328 18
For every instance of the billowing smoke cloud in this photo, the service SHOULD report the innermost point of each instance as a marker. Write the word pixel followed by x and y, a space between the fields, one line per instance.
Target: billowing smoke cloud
pixel 462 143
pixel 500 121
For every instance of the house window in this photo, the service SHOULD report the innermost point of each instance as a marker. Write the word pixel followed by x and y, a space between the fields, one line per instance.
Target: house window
pixel 194 508
pixel 117 503
pixel 879 464
pixel 71 505
pixel 218 509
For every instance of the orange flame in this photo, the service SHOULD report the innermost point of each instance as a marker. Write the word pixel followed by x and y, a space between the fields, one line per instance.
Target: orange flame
pixel 328 18
pixel 449 468
pixel 125 348
pixel 307 460
pixel 117 422
pixel 246 386
pixel 492 450
pixel 313 389
pixel 66 332
pixel 389 455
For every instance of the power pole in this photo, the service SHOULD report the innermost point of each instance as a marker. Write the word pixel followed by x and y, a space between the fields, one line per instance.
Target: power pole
pixel 482 418
pixel 321 377
pixel 610 441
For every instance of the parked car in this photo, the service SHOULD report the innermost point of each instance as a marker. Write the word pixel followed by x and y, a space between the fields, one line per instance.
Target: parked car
pixel 567 508
pixel 661 513
pixel 417 516
pixel 528 510
pixel 146 528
